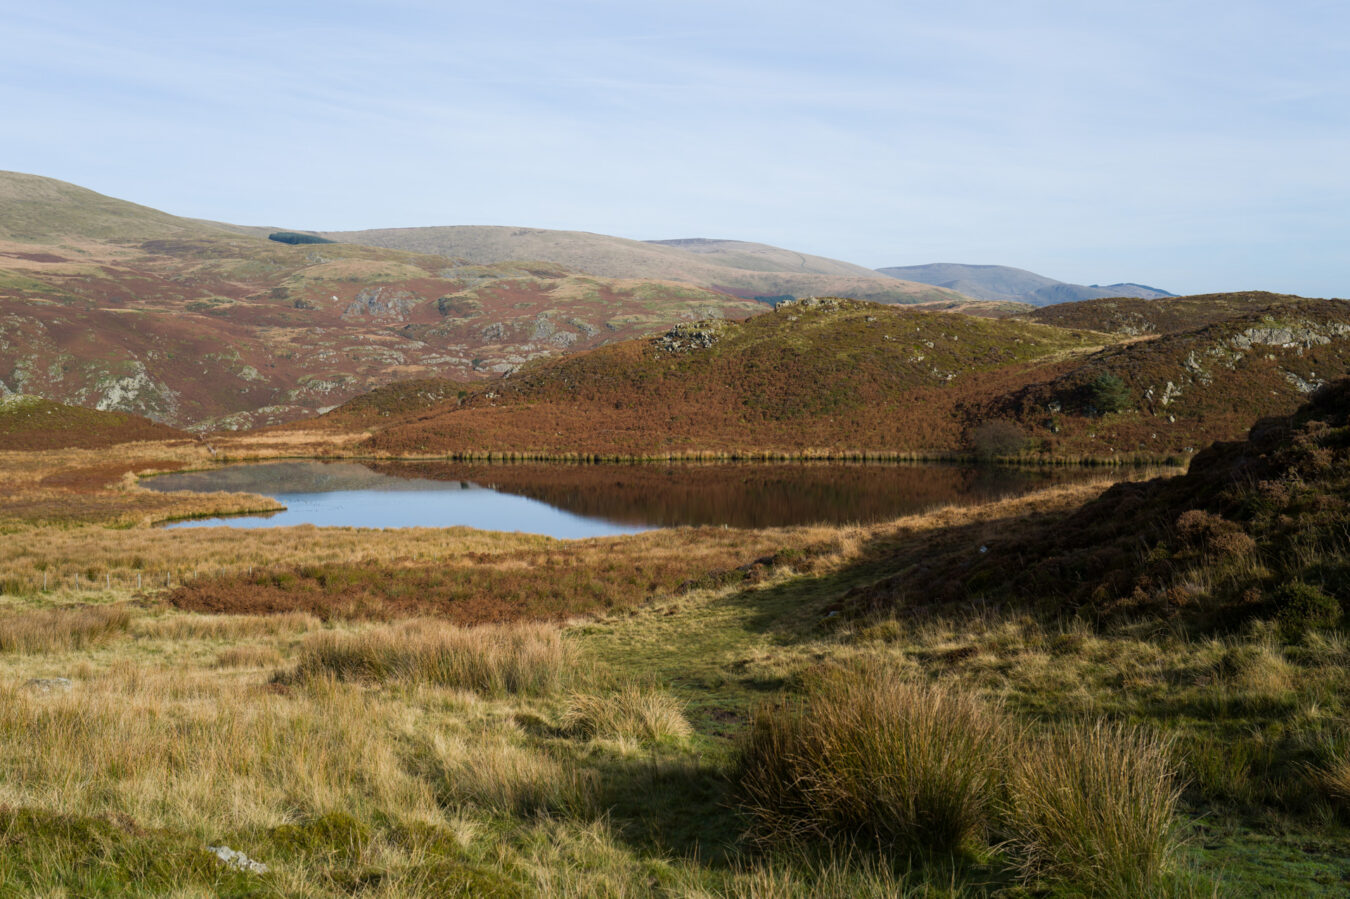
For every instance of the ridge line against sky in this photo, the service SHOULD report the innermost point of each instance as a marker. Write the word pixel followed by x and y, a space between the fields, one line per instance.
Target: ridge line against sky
pixel 1198 146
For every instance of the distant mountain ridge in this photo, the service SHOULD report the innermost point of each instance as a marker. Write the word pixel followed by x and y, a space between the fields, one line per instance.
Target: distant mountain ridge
pixel 739 268
pixel 1007 284
pixel 108 304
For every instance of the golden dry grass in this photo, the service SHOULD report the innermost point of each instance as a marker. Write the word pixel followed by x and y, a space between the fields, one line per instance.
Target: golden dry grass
pixel 520 658
pixel 631 713
pixel 72 628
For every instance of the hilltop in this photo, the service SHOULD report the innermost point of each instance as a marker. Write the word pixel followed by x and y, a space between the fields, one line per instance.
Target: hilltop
pixel 1135 317
pixel 1179 390
pixel 1001 282
pixel 815 375
pixel 108 304
pixel 734 267
pixel 33 423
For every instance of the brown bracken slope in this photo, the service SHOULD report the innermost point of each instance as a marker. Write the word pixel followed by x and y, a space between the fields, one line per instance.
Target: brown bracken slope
pixel 839 377
pixel 1259 526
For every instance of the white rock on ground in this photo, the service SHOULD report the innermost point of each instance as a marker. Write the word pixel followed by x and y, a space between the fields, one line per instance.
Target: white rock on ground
pixel 237 860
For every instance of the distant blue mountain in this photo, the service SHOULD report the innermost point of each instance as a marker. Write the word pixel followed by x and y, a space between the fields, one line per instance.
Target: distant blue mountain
pixel 1001 282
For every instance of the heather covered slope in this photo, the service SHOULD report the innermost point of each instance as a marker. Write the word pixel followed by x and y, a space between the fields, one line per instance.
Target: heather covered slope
pixel 32 423
pixel 834 377
pixel 1134 317
pixel 735 267
pixel 1256 527
pixel 115 306
pixel 1004 283
pixel 816 375
pixel 1180 390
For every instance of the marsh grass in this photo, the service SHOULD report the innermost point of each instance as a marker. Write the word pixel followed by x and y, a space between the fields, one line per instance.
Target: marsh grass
pixel 1096 807
pixel 61 629
pixel 494 660
pixel 631 713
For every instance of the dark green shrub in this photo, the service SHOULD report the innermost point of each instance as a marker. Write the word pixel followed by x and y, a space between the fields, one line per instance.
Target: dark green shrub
pixel 1301 607
pixel 294 238
pixel 1107 393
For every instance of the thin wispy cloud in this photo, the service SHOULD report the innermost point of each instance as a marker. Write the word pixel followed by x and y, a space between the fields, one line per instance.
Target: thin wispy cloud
pixel 1196 145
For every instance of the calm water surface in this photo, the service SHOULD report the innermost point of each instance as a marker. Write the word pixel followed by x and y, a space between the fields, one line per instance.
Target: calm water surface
pixel 572 501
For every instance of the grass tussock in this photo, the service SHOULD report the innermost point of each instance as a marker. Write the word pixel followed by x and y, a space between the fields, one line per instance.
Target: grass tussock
pixel 866 756
pixel 632 713
pixel 494 660
pixel 55 630
pixel 1097 807
pixel 1332 779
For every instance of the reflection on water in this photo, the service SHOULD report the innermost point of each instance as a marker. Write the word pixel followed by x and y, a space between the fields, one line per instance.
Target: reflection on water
pixel 599 500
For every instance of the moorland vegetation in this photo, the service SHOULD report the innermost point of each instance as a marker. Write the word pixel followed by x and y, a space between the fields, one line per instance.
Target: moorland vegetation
pixel 816 711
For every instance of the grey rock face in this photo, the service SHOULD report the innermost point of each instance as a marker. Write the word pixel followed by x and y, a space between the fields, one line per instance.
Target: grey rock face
pixel 380 302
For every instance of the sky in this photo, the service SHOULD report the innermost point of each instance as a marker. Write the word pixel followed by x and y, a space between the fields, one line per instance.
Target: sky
pixel 1195 146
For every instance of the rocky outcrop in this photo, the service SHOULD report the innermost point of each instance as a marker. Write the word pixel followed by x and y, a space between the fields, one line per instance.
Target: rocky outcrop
pixel 693 336
pixel 382 303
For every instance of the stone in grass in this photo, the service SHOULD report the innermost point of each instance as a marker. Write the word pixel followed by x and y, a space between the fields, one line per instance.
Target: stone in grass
pixel 237 860
pixel 48 684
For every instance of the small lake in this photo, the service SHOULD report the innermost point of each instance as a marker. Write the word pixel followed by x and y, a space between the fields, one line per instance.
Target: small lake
pixel 574 501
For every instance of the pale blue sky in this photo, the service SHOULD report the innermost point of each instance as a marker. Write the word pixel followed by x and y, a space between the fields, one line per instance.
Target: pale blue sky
pixel 1192 145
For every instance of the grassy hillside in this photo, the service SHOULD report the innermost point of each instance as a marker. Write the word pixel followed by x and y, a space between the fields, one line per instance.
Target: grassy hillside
pixel 111 305
pixel 1183 389
pixel 1145 317
pixel 758 257
pixel 39 210
pixel 32 423
pixel 830 377
pixel 746 270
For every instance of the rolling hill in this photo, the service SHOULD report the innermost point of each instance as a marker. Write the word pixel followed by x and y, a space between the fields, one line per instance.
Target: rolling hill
pixel 838 377
pixel 32 423
pixel 1000 282
pixel 815 376
pixel 734 267
pixel 116 306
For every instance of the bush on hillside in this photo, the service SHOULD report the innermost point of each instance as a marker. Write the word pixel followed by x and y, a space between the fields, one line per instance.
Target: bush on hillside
pixel 1107 393
pixel 1301 607
pixel 996 437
